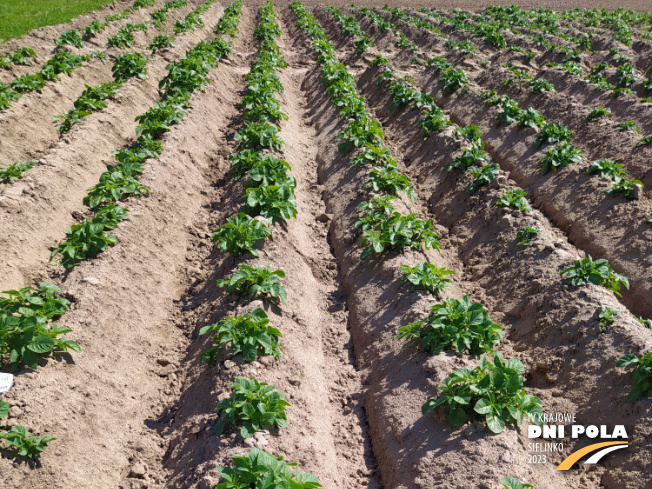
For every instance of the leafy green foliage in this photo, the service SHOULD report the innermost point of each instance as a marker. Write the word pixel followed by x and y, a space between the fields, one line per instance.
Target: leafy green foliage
pixel 427 276
pixel 607 316
pixel 261 469
pixel 256 281
pixel 129 65
pixel 26 445
pixel 71 38
pixel 113 187
pixel 94 28
pixel 597 272
pixel 452 79
pixel 91 100
pixel 624 188
pixel 551 133
pixel 642 374
pixel 597 113
pixel 539 85
pixel 273 202
pixel 18 57
pixel 360 132
pixel 512 483
pixel 228 24
pixel 483 175
pixel 492 389
pixel 25 328
pixel 83 241
pixel 511 113
pixel 559 157
pixel 644 141
pixel 249 335
pixel 627 125
pixel 252 406
pixel 397 231
pixel 645 322
pixel 388 179
pixel 258 135
pixel 191 21
pixel 608 169
pixel 469 157
pixel 471 133
pixel 530 118
pixel 121 40
pixel 514 198
pixel 239 234
pixel 526 235
pixel 455 324
pixel 7 95
pixel 439 63
pixel 15 170
pixel 433 120
pixel 161 41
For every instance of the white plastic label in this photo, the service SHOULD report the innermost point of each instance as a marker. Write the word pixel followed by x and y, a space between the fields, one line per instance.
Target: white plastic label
pixel 5 382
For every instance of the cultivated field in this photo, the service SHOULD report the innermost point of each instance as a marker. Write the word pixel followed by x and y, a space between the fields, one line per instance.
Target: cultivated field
pixel 370 208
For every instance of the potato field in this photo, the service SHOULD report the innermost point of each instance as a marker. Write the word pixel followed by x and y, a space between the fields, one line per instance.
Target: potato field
pixel 257 245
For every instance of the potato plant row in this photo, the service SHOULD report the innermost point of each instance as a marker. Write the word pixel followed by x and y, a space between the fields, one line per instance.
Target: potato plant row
pixel 63 61
pixel 403 93
pixel 583 271
pixel 27 330
pixel 269 198
pixel 125 67
pixel 624 74
pixel 624 77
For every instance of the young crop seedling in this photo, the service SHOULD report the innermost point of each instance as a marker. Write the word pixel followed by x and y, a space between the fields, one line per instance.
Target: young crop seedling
pixel 84 240
pixel 471 133
pixel 644 141
pixel 129 65
pixel 397 231
pixel 551 133
pixel 559 157
pixel 388 179
pixel 494 389
pixel 474 155
pixel 514 198
pixel 608 169
pixel 249 335
pixel 511 112
pixel 642 374
pixel 627 125
pixel 645 322
pixel 25 328
pixel 71 38
pixel 256 281
pixel 360 132
pixel 452 79
pixel 261 469
pixel 433 120
pixel 624 188
pixel 483 175
pixel 239 234
pixel 161 41
pixel 252 406
pixel 427 276
pixel 15 170
pixel 597 113
pixel 539 85
pixel 25 445
pixel 512 483
pixel 457 325
pixel 531 118
pixel 526 235
pixel 607 316
pixel 273 202
pixel 597 272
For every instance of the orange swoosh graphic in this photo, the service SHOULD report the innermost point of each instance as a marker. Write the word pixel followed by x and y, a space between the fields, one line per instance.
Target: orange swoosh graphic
pixel 575 456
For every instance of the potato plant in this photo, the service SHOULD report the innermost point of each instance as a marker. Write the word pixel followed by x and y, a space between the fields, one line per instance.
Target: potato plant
pixel 642 376
pixel 457 325
pixel 252 406
pixel 249 335
pixel 493 390
pixel 526 235
pixel 427 276
pixel 240 234
pixel 256 282
pixel 513 483
pixel 23 444
pixel 559 157
pixel 26 330
pixel 258 468
pixel 514 198
pixel 597 272
pixel 15 170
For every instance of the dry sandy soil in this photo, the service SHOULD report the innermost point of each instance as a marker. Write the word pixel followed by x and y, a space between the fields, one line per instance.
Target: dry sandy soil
pixel 134 409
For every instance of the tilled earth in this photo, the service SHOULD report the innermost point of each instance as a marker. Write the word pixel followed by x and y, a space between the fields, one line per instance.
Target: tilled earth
pixel 134 409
